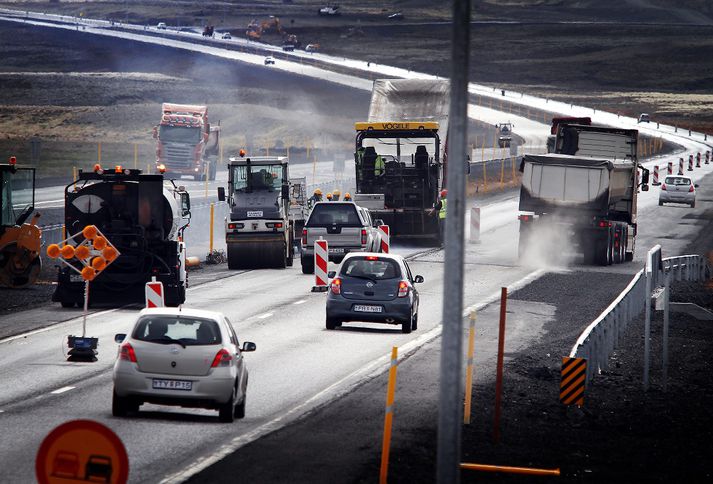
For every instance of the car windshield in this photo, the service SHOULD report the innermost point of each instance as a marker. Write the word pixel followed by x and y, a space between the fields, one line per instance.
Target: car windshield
pixel 329 213
pixel 677 180
pixel 258 177
pixel 180 134
pixel 186 331
pixel 371 268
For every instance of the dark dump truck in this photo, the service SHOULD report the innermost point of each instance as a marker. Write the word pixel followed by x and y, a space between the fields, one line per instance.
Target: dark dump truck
pixel 144 217
pixel 588 189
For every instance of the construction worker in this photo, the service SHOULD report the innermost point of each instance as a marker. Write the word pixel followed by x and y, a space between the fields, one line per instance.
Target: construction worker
pixel 316 197
pixel 335 195
pixel 441 207
pixel 329 196
pixel 379 166
pixel 347 197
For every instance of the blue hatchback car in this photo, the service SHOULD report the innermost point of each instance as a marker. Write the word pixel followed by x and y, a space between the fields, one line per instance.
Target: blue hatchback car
pixel 373 287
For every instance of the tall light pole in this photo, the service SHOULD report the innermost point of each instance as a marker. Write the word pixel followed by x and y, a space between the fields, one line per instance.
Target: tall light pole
pixel 451 390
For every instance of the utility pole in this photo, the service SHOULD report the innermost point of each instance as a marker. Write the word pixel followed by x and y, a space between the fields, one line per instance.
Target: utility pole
pixel 450 406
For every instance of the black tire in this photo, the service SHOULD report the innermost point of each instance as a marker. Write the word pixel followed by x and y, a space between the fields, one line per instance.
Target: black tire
pixel 226 411
pixel 307 265
pixel 660 203
pixel 240 408
pixel 407 325
pixel 67 304
pixel 693 205
pixel 121 406
pixel 414 323
pixel 629 256
pixel 332 323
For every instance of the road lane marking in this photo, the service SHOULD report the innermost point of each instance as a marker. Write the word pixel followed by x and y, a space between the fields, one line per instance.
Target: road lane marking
pixel 335 390
pixel 62 390
pixel 301 301
pixel 264 316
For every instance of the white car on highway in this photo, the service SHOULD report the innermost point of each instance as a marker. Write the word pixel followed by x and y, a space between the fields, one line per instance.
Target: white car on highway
pixel 269 60
pixel 186 357
pixel 678 189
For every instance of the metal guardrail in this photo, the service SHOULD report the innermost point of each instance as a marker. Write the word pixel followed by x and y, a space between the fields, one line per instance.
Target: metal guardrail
pixel 601 337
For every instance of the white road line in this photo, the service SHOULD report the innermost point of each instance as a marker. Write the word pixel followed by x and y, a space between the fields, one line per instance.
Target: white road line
pixel 62 390
pixel 264 316
pixel 301 301
pixel 333 391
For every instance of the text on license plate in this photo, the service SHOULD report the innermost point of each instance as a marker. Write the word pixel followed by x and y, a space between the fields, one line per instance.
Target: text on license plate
pixel 367 309
pixel 172 384
pixel 255 213
pixel 336 251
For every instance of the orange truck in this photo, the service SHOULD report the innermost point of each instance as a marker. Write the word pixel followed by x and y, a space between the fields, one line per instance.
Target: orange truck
pixel 187 144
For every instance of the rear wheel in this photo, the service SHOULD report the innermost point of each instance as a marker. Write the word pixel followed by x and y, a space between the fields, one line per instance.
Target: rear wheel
pixel 121 406
pixel 240 408
pixel 226 411
pixel 414 323
pixel 307 265
pixel 660 203
pixel 407 325
pixel 693 205
pixel 332 323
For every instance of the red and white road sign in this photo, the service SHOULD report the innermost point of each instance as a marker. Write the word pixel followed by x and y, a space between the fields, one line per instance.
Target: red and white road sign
pixel 475 225
pixel 154 294
pixel 656 176
pixel 385 238
pixel 321 260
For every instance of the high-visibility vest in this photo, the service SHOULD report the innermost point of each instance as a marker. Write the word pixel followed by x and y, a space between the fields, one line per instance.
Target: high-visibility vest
pixel 442 211
pixel 379 166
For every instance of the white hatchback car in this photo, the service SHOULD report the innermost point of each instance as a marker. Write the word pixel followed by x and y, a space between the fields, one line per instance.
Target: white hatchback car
pixel 186 357
pixel 678 189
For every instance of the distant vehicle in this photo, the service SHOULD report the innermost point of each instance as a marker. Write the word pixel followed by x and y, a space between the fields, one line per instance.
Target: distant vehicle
pixel 312 48
pixel 644 118
pixel 345 226
pixel 269 60
pixel 226 36
pixel 329 11
pixel 185 357
pixel 66 465
pixel 288 47
pixel 161 26
pixel 98 467
pixel 678 189
pixel 504 134
pixel 208 31
pixel 376 288
pixel 396 16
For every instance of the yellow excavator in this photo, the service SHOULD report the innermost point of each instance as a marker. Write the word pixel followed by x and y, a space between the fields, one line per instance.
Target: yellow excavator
pixel 20 242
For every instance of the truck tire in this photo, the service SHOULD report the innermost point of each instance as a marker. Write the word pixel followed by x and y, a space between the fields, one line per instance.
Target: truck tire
pixel 233 257
pixel 307 265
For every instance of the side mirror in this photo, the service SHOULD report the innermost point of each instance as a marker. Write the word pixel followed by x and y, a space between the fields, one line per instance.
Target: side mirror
pixel 418 279
pixel 331 274
pixel 378 222
pixel 285 192
pixel 248 346
pixel 185 204
pixel 696 185
pixel 155 132
pixel 119 337
pixel 645 177
pixel 221 194
pixel 644 188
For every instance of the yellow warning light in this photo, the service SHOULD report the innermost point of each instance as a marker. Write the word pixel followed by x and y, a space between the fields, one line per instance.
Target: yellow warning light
pixel 82 252
pixel 89 232
pixel 99 243
pixel 162 168
pixel 97 168
pixel 88 273
pixel 118 169
pixel 98 263
pixel 67 252
pixel 242 152
pixel 109 253
pixel 53 251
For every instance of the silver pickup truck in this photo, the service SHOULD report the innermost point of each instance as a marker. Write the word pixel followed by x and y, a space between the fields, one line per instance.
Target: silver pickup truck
pixel 345 226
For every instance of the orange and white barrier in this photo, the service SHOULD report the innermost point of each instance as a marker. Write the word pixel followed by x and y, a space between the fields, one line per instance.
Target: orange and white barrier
pixel 154 294
pixel 680 166
pixel 321 261
pixel 385 239
pixel 475 225
pixel 708 157
pixel 690 162
pixel 670 168
pixel 656 176
pixel 698 159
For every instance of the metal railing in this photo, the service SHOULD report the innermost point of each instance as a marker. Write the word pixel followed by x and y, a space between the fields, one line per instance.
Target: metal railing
pixel 602 336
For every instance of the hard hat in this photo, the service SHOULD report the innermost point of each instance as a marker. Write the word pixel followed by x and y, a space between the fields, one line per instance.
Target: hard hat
pixel 444 193
pixel 329 195
pixel 336 192
pixel 347 195
pixel 317 191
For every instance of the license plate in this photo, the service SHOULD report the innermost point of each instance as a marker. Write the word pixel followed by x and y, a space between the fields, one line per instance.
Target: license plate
pixel 367 309
pixel 75 278
pixel 255 213
pixel 336 251
pixel 172 384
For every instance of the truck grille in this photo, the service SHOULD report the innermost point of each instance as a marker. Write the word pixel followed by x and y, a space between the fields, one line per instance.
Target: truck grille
pixel 178 156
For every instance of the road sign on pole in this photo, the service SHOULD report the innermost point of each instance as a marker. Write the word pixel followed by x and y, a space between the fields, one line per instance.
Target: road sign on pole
pixel 154 294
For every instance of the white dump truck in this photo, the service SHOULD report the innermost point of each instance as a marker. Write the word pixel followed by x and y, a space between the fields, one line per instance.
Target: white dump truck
pixel 587 188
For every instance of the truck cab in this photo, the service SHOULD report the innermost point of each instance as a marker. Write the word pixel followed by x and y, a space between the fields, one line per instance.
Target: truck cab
pixel 258 230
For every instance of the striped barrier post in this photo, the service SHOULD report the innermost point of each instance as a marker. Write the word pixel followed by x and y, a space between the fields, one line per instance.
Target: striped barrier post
pixel 680 166
pixel 670 168
pixel 698 159
pixel 690 162
pixel 154 294
pixel 708 157
pixel 385 238
pixel 475 225
pixel 656 176
pixel 574 377
pixel 321 259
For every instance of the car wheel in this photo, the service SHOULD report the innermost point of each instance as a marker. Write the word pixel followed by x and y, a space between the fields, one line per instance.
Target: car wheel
pixel 407 325
pixel 414 323
pixel 226 411
pixel 307 265
pixel 240 408
pixel 120 405
pixel 332 323
pixel 660 203
pixel 693 205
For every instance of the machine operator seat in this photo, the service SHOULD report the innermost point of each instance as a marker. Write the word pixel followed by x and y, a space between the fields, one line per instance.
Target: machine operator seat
pixel 369 162
pixel 420 159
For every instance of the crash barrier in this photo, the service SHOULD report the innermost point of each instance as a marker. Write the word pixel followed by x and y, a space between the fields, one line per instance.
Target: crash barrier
pixel 385 238
pixel 388 417
pixel 656 176
pixel 572 382
pixel 154 294
pixel 321 260
pixel 474 225
pixel 487 174
pixel 600 338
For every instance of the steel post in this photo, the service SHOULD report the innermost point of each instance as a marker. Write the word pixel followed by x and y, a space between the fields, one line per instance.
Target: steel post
pixel 450 392
pixel 647 320
pixel 667 288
